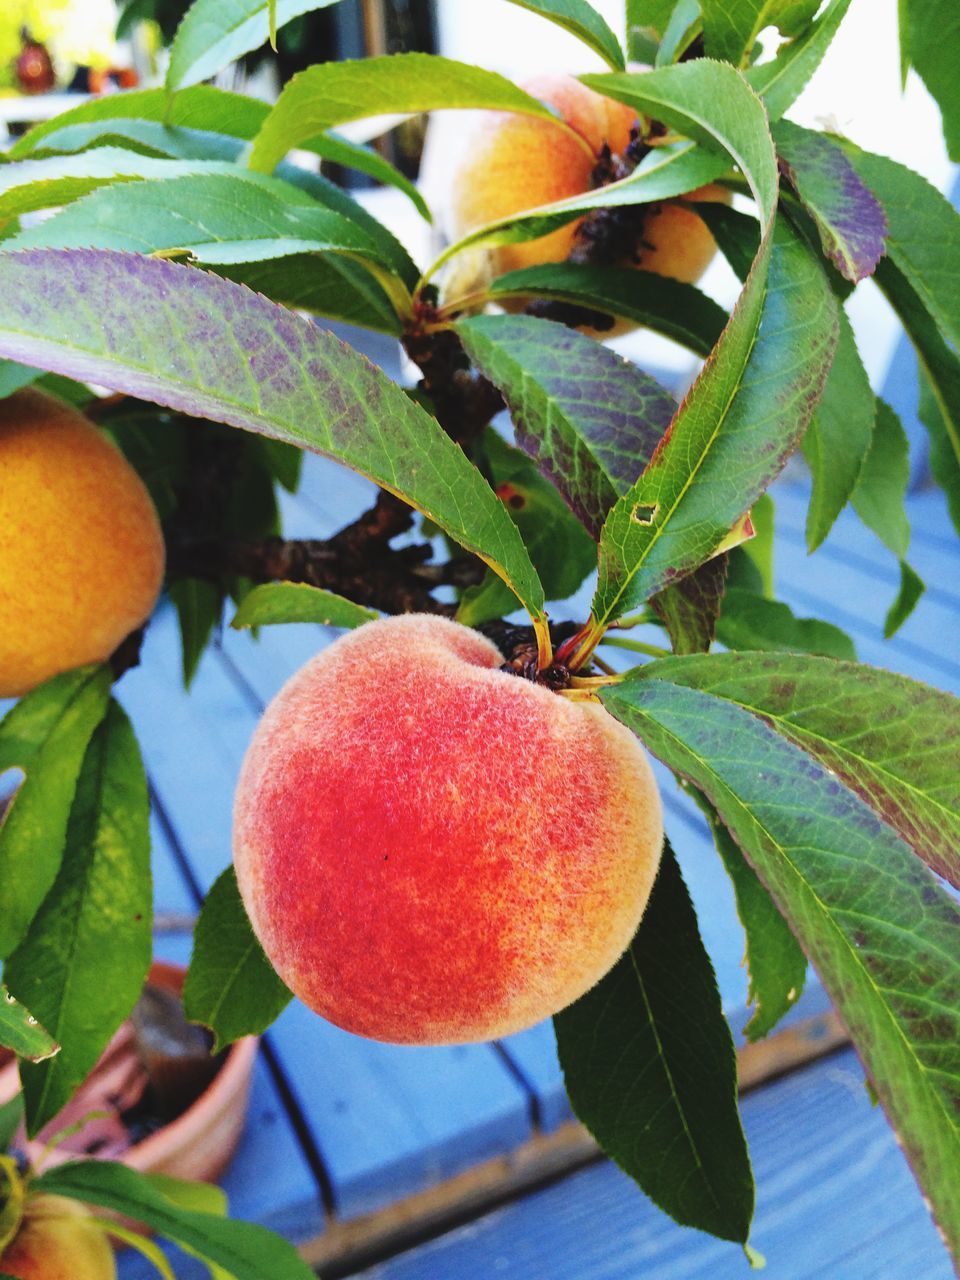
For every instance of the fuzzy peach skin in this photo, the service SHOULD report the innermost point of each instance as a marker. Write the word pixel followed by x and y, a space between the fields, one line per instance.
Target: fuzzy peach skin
pixel 81 552
pixel 433 851
pixel 58 1240
pixel 514 162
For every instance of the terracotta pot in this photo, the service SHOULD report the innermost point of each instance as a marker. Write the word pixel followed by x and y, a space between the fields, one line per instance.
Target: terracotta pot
pixel 198 1144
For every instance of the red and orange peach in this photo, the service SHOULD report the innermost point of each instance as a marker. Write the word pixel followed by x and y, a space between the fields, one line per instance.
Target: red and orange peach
pixel 432 850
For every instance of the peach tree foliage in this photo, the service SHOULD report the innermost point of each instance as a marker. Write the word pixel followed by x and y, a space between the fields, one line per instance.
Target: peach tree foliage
pixel 179 271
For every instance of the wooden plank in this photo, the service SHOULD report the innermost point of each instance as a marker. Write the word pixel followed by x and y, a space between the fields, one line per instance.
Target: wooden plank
pixel 386 1120
pixel 835 1198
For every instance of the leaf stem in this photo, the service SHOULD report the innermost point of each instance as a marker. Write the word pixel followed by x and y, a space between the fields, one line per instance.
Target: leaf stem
pixel 636 646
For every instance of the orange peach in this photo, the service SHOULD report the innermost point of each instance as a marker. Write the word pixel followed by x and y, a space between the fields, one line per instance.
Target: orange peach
pixel 58 1240
pixel 513 162
pixel 81 551
pixel 432 850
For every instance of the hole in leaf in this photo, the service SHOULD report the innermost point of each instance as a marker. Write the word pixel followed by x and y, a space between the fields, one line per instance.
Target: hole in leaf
pixel 643 513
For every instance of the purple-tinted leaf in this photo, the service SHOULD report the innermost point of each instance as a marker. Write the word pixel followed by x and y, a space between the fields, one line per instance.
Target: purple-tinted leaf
pixel 690 608
pixel 590 419
pixel 213 349
pixel 849 217
pixel 877 925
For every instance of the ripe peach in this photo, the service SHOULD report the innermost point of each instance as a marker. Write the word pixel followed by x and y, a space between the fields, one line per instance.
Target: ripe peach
pixel 58 1240
pixel 81 552
pixel 513 162
pixel 432 850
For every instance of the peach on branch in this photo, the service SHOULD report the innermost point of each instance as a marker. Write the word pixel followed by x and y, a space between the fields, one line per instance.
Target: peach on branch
pixel 433 850
pixel 58 1239
pixel 513 162
pixel 81 551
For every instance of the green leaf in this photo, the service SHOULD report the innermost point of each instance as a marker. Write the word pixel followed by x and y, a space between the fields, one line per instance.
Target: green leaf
pixel 275 602
pixel 924 234
pixel 690 608
pixel 893 742
pixel 881 489
pixel 678 311
pixel 912 588
pixel 352 155
pixel 781 80
pixel 581 20
pixel 939 380
pixel 246 1251
pixel 930 39
pixel 749 621
pixel 649 17
pixel 936 411
pixel 879 929
pixel 213 33
pixel 11 1118
pixel 29 185
pixel 201 124
pixel 590 419
pixel 562 551
pixel 21 1032
pixel 759 549
pixel 201 107
pixel 731 30
pixel 13 376
pixel 83 963
pixel 848 216
pixel 737 234
pixel 334 93
pixel 45 734
pixel 685 25
pixel 230 985
pixel 199 606
pixel 739 421
pixel 205 1197
pixel 650 1069
pixel 284 462
pixel 775 960
pixel 839 436
pixel 202 345
pixel 215 218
